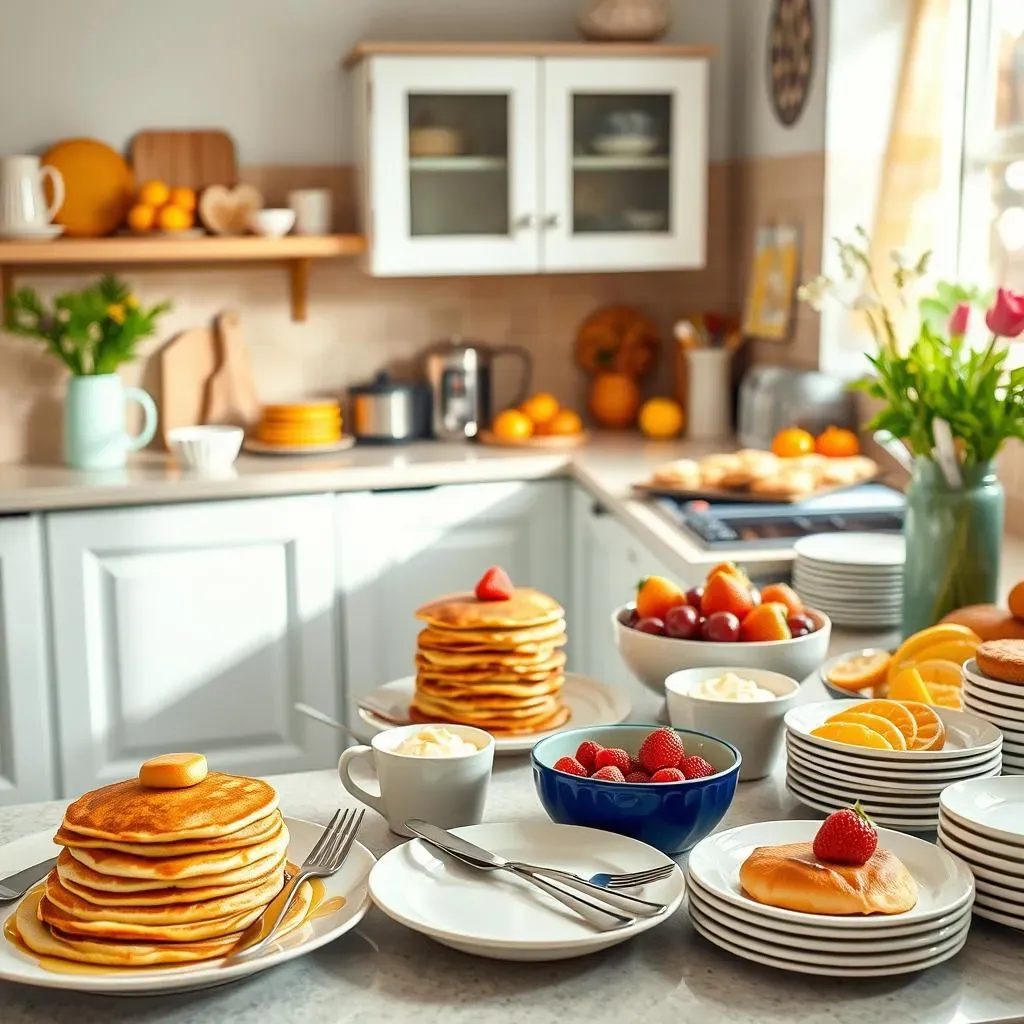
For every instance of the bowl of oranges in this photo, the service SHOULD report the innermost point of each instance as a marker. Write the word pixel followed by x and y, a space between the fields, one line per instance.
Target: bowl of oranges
pixel 164 210
pixel 539 422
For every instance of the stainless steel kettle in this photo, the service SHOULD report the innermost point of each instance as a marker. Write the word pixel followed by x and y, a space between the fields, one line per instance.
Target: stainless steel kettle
pixel 459 375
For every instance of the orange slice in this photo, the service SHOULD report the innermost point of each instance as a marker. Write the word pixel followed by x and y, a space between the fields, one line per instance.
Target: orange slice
pixel 895 712
pixel 861 671
pixel 931 733
pixel 882 726
pixel 908 685
pixel 920 646
pixel 946 696
pixel 940 670
pixel 853 734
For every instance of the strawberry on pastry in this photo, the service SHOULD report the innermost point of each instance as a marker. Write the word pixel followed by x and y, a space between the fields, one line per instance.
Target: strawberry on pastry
pixel 694 767
pixel 494 585
pixel 846 837
pixel 609 773
pixel 586 752
pixel 572 766
pixel 613 756
pixel 661 749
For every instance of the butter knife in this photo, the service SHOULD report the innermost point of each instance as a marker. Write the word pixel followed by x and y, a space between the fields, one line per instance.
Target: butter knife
pixel 15 886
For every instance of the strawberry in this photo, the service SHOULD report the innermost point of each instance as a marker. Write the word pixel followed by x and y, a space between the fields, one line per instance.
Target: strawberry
pixel 612 756
pixel 586 752
pixel 668 775
pixel 638 777
pixel 571 766
pixel 694 767
pixel 661 749
pixel 609 773
pixel 494 585
pixel 846 837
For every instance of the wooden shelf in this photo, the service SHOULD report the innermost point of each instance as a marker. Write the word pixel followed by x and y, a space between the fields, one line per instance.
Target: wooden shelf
pixel 297 252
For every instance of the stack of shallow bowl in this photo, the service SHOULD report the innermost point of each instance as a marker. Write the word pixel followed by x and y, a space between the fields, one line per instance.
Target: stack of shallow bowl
pixel 1002 704
pixel 899 789
pixel 982 822
pixel 855 578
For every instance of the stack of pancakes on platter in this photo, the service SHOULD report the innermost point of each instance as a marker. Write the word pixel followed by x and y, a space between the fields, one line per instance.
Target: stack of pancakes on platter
pixel 154 876
pixel 492 664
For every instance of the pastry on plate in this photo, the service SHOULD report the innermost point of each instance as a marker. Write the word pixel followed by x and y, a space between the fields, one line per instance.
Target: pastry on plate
pixel 715 468
pixel 683 473
pixel 787 484
pixel 1002 660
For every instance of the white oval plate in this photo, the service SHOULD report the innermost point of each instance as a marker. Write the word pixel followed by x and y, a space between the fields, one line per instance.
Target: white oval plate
pixel 496 915
pixel 350 882
pixel 993 808
pixel 1003 919
pixel 592 704
pixel 890 800
pixel 1011 728
pixel 261 448
pixel 827 804
pixel 859 550
pixel 1007 856
pixel 973 676
pixel 965 734
pixel 1000 876
pixel 944 883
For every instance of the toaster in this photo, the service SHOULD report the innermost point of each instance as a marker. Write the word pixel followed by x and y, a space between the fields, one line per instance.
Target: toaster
pixel 772 398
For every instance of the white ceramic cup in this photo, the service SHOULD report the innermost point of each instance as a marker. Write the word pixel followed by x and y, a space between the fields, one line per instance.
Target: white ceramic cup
pixel 757 727
pixel 708 395
pixel 312 206
pixel 22 202
pixel 446 791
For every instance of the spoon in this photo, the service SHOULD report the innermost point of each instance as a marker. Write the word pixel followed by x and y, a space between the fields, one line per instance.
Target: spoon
pixel 319 716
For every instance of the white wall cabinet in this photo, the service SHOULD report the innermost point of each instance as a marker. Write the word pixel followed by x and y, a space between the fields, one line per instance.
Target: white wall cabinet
pixel 193 627
pixel 26 746
pixel 528 164
pixel 396 550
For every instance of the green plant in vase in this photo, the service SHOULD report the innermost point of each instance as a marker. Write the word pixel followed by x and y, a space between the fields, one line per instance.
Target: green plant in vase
pixel 950 398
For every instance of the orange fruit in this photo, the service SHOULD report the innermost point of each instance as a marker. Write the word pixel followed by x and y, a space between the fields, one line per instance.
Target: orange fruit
pixel 661 418
pixel 1016 601
pixel 937 671
pixel 792 442
pixel 853 734
pixel 914 647
pixel 540 407
pixel 656 596
pixel 614 400
pixel 931 733
pixel 892 710
pixel 837 443
pixel 945 696
pixel 783 593
pixel 183 198
pixel 512 425
pixel 860 671
pixel 154 193
pixel 724 592
pixel 765 622
pixel 141 217
pixel 894 736
pixel 173 218
pixel 727 567
pixel 563 423
pixel 908 685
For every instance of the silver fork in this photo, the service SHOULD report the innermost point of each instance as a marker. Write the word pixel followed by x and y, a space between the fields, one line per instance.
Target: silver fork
pixel 326 857
pixel 632 879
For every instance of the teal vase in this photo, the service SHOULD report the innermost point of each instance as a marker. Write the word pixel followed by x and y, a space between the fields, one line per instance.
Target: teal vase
pixel 95 436
pixel 953 536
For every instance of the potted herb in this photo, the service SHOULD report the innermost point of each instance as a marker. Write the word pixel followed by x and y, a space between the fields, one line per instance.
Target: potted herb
pixel 92 332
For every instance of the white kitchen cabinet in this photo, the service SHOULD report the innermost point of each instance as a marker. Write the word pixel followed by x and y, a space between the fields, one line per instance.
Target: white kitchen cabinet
pixel 396 550
pixel 193 627
pixel 27 769
pixel 524 164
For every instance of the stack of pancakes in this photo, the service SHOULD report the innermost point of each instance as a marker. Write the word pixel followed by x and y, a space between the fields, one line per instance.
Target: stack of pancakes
pixel 492 664
pixel 160 876
pixel 300 424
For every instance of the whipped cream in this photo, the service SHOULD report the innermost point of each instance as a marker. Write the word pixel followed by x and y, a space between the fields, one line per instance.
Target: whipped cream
pixel 436 741
pixel 731 687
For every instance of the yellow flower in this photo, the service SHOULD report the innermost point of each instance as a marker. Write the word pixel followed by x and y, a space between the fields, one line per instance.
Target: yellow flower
pixel 116 312
pixel 131 302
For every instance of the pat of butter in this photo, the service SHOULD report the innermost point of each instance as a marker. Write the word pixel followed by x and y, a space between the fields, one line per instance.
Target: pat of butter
pixel 173 771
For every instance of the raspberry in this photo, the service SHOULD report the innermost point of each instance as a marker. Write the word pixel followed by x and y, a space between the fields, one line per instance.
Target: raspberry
pixel 612 756
pixel 586 752
pixel 695 767
pixel 609 773
pixel 570 766
pixel 668 775
pixel 638 777
pixel 661 749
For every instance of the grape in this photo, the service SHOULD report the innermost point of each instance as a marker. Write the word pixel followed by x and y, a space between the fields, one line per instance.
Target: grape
pixel 629 617
pixel 693 596
pixel 683 622
pixel 801 625
pixel 721 628
pixel 654 626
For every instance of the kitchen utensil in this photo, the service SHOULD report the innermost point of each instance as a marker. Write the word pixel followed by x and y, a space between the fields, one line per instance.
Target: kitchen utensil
pixel 250 444
pixel 192 159
pixel 187 362
pixel 322 861
pixel 99 187
pixel 313 210
pixel 273 223
pixel 460 378
pixel 449 790
pixel 477 857
pixel 386 410
pixel 227 211
pixel 15 886
pixel 631 879
pixel 230 390
pixel 207 449
pixel 624 20
pixel 22 203
pixel 94 421
pixel 319 716
pixel 896 448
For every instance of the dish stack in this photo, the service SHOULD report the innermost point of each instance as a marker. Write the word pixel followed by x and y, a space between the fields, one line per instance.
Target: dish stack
pixel 1001 704
pixel 861 946
pixel 856 579
pixel 899 789
pixel 982 822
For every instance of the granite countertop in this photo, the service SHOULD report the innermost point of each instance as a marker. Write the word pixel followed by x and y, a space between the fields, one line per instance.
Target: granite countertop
pixel 383 972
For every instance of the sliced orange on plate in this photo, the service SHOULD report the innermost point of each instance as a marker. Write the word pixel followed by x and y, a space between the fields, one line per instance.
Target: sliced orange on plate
pixel 893 736
pixel 940 670
pixel 893 711
pixel 852 733
pixel 908 685
pixel 945 696
pixel 861 671
pixel 931 733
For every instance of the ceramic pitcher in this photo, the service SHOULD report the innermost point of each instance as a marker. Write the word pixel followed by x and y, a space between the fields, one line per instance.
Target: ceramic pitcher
pixel 94 430
pixel 22 202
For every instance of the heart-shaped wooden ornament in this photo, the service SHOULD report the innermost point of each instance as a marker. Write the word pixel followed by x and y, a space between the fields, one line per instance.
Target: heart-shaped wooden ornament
pixel 226 211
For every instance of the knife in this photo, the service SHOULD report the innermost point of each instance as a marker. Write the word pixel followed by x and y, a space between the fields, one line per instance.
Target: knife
pixel 544 878
pixel 15 886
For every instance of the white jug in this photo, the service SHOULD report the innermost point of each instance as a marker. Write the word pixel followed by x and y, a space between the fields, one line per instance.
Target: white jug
pixel 22 202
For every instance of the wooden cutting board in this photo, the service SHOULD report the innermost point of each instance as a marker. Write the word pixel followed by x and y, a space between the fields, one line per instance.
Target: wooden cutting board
pixel 231 391
pixel 186 364
pixel 193 159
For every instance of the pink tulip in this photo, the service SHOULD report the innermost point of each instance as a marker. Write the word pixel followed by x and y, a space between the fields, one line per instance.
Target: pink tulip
pixel 1006 317
pixel 959 320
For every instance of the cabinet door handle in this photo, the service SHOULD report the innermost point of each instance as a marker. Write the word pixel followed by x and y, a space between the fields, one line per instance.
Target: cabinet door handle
pixel 525 222
pixel 597 509
pixel 551 221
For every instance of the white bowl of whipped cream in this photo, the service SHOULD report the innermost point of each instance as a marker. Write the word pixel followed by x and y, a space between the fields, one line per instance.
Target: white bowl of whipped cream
pixel 745 706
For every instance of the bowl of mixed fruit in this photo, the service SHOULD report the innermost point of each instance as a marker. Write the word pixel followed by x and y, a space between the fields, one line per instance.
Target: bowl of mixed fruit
pixel 725 621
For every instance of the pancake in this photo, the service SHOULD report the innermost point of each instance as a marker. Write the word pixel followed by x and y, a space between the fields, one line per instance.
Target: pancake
pixel 437 705
pixel 499 727
pixel 473 691
pixel 528 661
pixel 130 812
pixel 493 673
pixel 792 877
pixel 526 607
pixel 493 639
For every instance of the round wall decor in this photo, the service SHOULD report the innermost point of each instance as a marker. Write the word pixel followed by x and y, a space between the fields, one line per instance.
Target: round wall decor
pixel 790 57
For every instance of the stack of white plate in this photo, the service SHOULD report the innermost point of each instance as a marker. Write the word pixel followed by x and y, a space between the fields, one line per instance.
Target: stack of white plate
pixel 982 822
pixel 1002 704
pixel 856 579
pixel 839 947
pixel 897 788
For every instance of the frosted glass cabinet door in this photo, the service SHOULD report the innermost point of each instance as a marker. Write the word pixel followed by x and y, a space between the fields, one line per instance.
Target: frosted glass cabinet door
pixel 625 164
pixel 453 155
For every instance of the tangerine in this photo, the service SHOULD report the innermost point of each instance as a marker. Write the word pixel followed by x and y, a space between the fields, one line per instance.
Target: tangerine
pixel 661 418
pixel 614 400
pixel 792 442
pixel 512 425
pixel 563 423
pixel 173 218
pixel 541 408
pixel 183 198
pixel 142 217
pixel 154 193
pixel 837 443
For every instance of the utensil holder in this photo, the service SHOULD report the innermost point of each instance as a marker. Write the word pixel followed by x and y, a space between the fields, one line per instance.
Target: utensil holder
pixel 704 382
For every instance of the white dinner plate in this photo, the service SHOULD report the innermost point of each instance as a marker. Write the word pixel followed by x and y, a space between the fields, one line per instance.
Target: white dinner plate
pixel 856 550
pixel 992 703
pixel 999 905
pixel 984 867
pixel 973 676
pixel 993 808
pixel 1011 728
pixel 850 791
pixel 857 600
pixel 350 882
pixel 1003 919
pixel 827 804
pixel 591 704
pixel 1009 856
pixel 494 914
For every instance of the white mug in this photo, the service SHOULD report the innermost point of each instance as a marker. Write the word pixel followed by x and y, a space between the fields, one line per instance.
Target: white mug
pixel 22 202
pixel 312 208
pixel 446 791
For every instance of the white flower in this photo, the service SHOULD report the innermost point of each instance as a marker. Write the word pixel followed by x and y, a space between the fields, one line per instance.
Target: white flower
pixel 815 292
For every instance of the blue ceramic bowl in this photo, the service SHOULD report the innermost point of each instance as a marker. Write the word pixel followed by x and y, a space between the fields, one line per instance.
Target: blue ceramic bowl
pixel 671 816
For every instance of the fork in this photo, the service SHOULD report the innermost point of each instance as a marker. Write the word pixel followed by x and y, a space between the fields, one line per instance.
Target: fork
pixel 631 879
pixel 323 860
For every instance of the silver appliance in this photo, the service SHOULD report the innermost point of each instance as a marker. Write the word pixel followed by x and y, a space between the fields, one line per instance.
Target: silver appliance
pixel 460 378
pixel 386 411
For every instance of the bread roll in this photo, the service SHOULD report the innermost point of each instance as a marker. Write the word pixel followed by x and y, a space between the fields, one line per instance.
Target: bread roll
pixel 989 621
pixel 1002 660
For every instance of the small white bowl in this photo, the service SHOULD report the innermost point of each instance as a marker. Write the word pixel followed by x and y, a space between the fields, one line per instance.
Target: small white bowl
pixel 207 449
pixel 756 728
pixel 271 223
